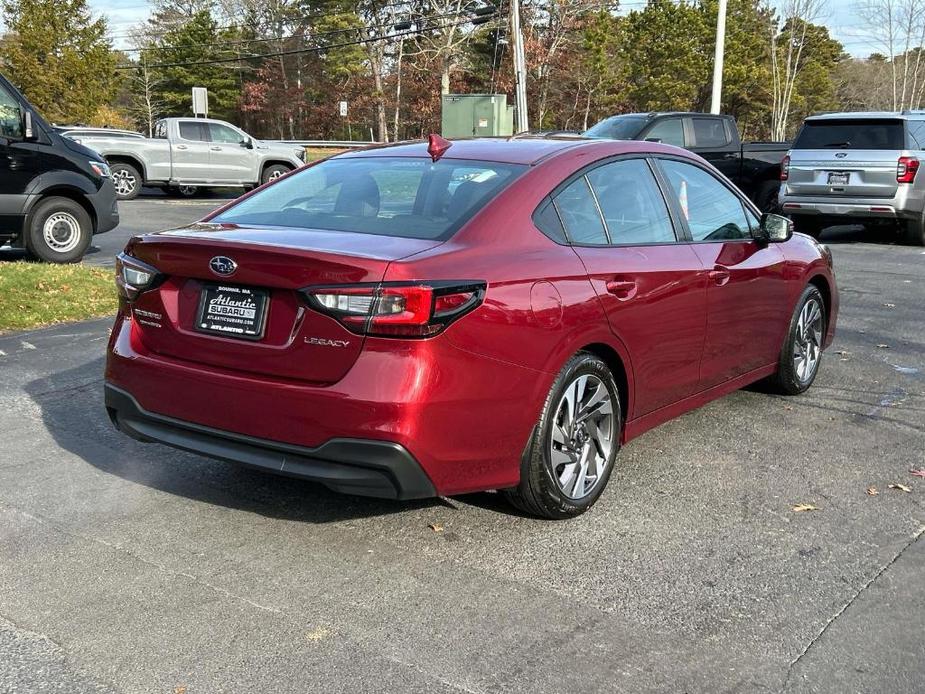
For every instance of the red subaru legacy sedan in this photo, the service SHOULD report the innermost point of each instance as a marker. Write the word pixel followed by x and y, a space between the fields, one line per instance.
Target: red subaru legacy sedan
pixel 433 319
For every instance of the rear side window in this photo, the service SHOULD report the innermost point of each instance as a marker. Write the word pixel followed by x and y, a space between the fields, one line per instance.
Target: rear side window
pixel 866 133
pixel 713 212
pixel 710 132
pixel 192 131
pixel 631 203
pixel 579 214
pixel 411 198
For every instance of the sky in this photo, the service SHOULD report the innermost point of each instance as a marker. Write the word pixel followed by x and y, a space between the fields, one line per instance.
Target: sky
pixel 840 16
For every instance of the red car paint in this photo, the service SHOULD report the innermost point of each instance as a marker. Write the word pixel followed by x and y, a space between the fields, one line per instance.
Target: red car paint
pixel 681 324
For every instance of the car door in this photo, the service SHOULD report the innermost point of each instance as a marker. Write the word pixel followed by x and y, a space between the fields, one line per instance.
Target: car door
pixel 652 286
pixel 748 305
pixel 713 140
pixel 232 161
pixel 19 164
pixel 190 160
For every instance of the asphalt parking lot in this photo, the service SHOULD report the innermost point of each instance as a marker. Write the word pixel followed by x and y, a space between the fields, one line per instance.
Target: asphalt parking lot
pixel 127 567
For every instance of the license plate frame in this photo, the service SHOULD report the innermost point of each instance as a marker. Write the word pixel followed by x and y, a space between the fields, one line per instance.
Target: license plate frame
pixel 839 178
pixel 241 315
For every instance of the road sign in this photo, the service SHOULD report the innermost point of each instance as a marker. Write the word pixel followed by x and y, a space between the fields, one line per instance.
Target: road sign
pixel 343 109
pixel 200 102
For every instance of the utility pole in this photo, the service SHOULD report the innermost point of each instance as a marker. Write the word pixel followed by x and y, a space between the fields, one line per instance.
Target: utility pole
pixel 718 58
pixel 520 70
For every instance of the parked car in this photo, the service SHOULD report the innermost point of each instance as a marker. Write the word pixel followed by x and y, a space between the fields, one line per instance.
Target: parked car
pixel 422 319
pixel 752 166
pixel 190 153
pixel 54 193
pixel 857 168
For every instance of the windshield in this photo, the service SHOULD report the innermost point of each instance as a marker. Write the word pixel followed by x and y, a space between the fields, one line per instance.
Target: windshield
pixel 411 198
pixel 618 128
pixel 851 134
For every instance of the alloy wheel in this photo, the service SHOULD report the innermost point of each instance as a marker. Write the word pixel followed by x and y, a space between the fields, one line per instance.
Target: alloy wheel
pixel 582 436
pixel 124 182
pixel 807 343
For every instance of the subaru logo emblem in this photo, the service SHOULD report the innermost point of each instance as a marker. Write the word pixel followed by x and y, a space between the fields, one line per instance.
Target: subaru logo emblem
pixel 841 155
pixel 223 265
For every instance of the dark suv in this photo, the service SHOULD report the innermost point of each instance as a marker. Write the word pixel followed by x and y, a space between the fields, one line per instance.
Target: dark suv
pixel 54 193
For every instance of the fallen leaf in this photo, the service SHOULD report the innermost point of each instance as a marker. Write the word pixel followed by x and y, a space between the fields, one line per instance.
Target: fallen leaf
pixel 799 508
pixel 917 473
pixel 882 346
pixel 842 352
pixel 317 634
pixel 890 305
pixel 179 690
pixel 872 491
pixel 436 527
pixel 901 487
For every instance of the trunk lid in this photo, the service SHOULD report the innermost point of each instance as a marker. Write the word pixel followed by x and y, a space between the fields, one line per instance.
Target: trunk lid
pixel 296 342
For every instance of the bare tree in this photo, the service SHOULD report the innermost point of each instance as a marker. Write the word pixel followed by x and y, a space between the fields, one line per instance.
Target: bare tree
pixel 788 61
pixel 145 107
pixel 899 27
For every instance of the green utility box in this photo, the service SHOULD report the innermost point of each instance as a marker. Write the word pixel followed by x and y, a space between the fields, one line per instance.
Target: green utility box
pixel 476 115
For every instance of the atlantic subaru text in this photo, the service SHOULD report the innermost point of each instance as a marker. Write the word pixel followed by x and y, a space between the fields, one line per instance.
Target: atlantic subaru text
pixel 439 318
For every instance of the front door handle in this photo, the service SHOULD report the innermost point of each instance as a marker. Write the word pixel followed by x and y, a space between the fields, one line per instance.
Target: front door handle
pixel 622 288
pixel 719 275
pixel 216 149
pixel 182 147
pixel 730 155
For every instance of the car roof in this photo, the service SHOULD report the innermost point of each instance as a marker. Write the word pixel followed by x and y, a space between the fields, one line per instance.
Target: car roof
pixel 528 150
pixel 861 115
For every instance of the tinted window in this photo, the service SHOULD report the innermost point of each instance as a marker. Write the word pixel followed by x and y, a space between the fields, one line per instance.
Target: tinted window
pixel 547 220
pixel 579 214
pixel 618 128
pixel 713 212
pixel 710 132
pixel 10 116
pixel 851 134
pixel 631 203
pixel 668 130
pixel 192 131
pixel 222 133
pixel 412 198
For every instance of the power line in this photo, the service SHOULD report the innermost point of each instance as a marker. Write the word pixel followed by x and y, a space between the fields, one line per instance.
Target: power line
pixel 316 49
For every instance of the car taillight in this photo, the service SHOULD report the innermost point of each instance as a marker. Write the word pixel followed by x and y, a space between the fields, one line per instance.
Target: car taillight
pixel 906 168
pixel 785 168
pixel 133 276
pixel 397 309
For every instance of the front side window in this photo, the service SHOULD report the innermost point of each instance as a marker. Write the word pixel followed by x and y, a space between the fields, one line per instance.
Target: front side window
pixel 631 203
pixel 222 133
pixel 669 131
pixel 192 131
pixel 385 196
pixel 710 132
pixel 580 215
pixel 713 212
pixel 10 116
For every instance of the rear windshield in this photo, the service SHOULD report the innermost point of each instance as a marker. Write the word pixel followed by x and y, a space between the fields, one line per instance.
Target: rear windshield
pixel 411 198
pixel 618 128
pixel 851 134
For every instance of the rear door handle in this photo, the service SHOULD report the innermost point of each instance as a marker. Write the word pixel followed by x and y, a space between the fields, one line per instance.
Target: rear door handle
pixel 719 275
pixel 216 149
pixel 182 147
pixel 621 288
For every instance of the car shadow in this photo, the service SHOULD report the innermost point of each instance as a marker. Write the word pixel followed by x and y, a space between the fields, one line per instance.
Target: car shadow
pixel 71 403
pixel 843 235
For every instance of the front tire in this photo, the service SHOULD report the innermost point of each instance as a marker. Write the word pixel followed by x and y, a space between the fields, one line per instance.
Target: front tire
pixel 126 180
pixel 271 173
pixel 59 231
pixel 801 353
pixel 809 226
pixel 182 191
pixel 572 451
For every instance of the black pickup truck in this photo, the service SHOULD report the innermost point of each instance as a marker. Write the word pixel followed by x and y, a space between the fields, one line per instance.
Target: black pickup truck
pixel 753 166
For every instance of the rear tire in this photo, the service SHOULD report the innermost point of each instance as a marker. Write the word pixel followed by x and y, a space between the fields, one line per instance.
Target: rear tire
pixel 809 226
pixel 573 447
pixel 766 196
pixel 913 232
pixel 127 180
pixel 801 353
pixel 59 231
pixel 271 173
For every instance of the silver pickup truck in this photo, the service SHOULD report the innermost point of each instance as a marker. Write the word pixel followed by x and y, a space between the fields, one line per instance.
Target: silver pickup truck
pixel 190 153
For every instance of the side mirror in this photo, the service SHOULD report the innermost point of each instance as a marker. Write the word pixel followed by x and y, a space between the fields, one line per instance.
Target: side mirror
pixel 28 132
pixel 248 144
pixel 774 228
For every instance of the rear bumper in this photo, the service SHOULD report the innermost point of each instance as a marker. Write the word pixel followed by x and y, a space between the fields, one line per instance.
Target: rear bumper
pixel 906 204
pixel 350 466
